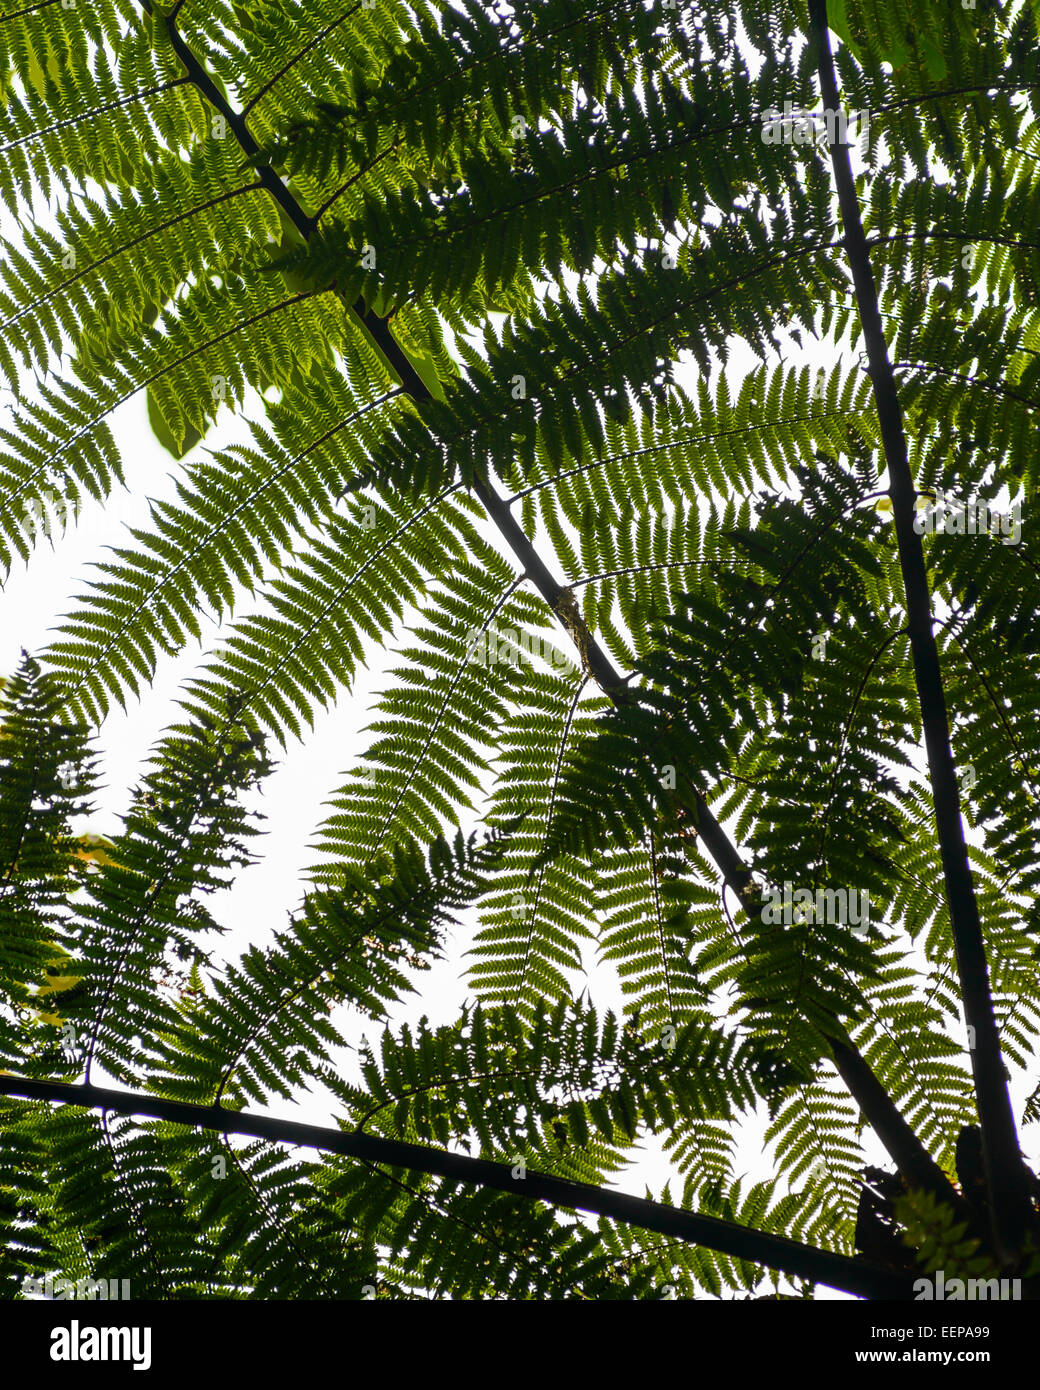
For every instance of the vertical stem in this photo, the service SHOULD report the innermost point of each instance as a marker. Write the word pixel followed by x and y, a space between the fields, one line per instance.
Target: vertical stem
pixel 1010 1208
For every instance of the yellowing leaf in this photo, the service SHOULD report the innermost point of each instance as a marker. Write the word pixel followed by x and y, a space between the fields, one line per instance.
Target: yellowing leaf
pixel 93 849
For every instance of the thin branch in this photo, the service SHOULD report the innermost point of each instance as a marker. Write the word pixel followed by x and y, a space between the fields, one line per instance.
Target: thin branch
pixel 967 377
pixel 322 34
pixel 855 1276
pixel 41 132
pixel 63 285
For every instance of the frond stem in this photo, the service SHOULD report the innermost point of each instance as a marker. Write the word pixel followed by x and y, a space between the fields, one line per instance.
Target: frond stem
pixel 853 1275
pixel 1008 1193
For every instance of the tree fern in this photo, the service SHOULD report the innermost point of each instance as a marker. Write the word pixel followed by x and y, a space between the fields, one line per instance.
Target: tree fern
pixel 473 282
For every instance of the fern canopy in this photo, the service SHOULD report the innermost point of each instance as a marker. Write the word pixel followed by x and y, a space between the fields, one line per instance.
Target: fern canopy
pixel 517 318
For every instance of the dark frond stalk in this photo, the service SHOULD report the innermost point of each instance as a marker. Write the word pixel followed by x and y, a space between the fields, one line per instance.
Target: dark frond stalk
pixel 1010 1207
pixel 852 1275
pixel 913 1160
pixel 905 1149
